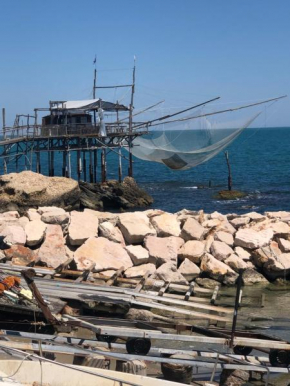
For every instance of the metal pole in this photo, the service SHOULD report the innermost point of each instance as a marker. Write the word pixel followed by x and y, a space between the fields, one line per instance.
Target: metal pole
pixel 237 301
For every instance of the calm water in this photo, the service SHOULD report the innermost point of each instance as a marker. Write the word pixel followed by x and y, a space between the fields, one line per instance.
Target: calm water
pixel 260 161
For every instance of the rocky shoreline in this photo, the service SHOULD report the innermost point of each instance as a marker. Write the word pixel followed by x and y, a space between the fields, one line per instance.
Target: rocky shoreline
pixel 178 248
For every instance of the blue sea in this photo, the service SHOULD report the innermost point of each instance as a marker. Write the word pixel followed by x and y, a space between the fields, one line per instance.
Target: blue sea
pixel 260 162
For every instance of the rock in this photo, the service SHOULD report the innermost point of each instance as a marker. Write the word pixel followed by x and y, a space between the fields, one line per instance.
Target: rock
pixel 47 209
pixel 13 235
pixel 225 226
pixel 166 225
pixel 255 217
pixel 192 230
pixel 216 269
pixel 135 227
pixel 280 229
pixel 163 250
pixel 52 252
pixel 220 250
pixel 55 217
pixel 208 242
pixel 240 221
pixel 103 216
pixel 138 254
pixel 242 253
pixel 234 377
pixel 251 276
pixel 207 283
pixel 284 245
pixel 213 223
pixel 20 255
pixel 28 189
pixel 249 238
pixel 83 225
pixel 153 212
pixel 111 232
pixel 224 237
pixel 148 316
pixel 236 263
pixel 105 254
pixel 168 273
pixel 277 266
pixel 33 214
pixel 189 270
pixel 113 195
pixel 108 274
pixel 280 214
pixel 219 216
pixel 35 231
pixel 261 256
pixel 23 221
pixel 140 270
pixel 192 250
pixel 185 214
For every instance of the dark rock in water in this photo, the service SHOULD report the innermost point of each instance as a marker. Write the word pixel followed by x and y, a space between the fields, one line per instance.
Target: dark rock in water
pixel 230 195
pixel 25 190
pixel 207 283
pixel 234 377
pixel 251 276
pixel 113 195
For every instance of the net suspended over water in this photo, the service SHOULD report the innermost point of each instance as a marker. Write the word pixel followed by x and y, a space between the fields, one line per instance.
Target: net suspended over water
pixel 187 142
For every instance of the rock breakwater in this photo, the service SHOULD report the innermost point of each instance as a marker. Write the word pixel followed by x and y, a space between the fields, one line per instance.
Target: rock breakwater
pixel 179 247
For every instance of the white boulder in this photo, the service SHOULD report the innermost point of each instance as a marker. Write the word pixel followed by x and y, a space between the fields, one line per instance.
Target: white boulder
pixel 192 250
pixel 249 238
pixel 138 254
pixel 166 225
pixel 35 231
pixel 83 225
pixel 135 227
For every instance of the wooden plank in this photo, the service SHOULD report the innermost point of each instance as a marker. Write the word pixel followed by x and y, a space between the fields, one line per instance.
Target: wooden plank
pixel 85 273
pixel 164 288
pixel 215 294
pixel 190 291
pixel 116 275
pixel 59 268
pixel 142 281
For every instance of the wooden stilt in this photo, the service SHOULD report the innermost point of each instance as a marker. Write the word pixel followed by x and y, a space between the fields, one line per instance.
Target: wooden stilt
pixel 84 166
pixel 91 170
pixel 52 160
pixel 79 164
pixel 120 165
pixel 95 164
pixel 130 170
pixel 64 164
pixel 103 165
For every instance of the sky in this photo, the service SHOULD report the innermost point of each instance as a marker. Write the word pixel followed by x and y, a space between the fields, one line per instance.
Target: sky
pixel 187 51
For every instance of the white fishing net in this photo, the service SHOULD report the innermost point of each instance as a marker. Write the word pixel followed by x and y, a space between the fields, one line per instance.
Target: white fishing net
pixel 185 144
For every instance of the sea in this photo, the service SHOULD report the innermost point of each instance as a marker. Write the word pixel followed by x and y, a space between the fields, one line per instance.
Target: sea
pixel 260 164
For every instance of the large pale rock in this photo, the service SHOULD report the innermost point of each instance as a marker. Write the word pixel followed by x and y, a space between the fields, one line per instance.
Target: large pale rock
pixel 185 214
pixel 83 225
pixel 10 214
pixel 140 270
pixel 163 250
pixel 52 252
pixel 216 269
pixel 208 242
pixel 261 255
pixel 192 230
pixel 240 221
pixel 225 226
pixel 277 266
pixel 103 216
pixel 153 212
pixel 47 209
pixel 192 250
pixel 219 216
pixel 20 255
pixel 23 221
pixel 55 217
pixel 212 223
pixel 28 189
pixel 251 276
pixel 221 250
pixel 13 235
pixel 111 232
pixel 255 217
pixel 224 237
pixel 189 270
pixel 138 254
pixel 236 263
pixel 33 214
pixel 135 227
pixel 280 228
pixel 168 272
pixel 35 231
pixel 242 253
pixel 105 254
pixel 166 225
pixel 284 245
pixel 249 238
pixel 280 214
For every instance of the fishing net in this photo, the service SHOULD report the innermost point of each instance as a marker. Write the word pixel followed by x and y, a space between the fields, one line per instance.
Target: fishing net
pixel 186 143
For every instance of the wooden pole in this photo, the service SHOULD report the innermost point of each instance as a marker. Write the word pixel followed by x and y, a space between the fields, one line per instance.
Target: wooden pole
pixel 103 165
pixel 130 171
pixel 38 167
pixel 84 165
pixel 64 164
pixel 95 164
pixel 229 171
pixel 237 302
pixel 120 165
pixel 79 162
pixel 4 122
pixel 94 94
pixel 91 170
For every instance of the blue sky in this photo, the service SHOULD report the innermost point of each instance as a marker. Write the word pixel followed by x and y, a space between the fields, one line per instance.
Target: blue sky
pixel 187 51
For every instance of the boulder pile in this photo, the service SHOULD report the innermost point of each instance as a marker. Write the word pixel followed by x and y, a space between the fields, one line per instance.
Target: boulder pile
pixel 178 248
